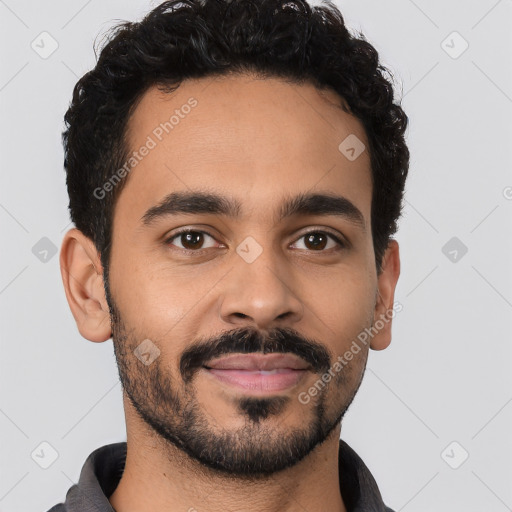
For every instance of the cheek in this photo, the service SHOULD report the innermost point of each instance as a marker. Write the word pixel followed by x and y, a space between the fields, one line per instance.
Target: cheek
pixel 160 301
pixel 344 304
pixel 151 302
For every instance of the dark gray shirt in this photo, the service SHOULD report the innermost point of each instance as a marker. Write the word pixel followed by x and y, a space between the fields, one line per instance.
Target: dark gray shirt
pixel 104 467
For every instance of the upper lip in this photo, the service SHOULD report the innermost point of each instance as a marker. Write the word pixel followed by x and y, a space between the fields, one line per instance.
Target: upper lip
pixel 258 362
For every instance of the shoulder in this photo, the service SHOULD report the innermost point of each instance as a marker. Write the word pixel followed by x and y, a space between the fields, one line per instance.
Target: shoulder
pixel 61 507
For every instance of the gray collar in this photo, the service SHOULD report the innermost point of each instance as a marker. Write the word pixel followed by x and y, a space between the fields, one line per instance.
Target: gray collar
pixel 104 467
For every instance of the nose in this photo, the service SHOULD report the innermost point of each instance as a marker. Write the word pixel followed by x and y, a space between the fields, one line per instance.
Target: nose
pixel 262 293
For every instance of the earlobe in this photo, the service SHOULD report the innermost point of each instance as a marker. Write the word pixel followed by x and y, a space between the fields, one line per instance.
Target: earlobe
pixel 383 313
pixel 82 276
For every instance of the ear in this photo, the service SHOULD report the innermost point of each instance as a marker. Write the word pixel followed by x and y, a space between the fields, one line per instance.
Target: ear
pixel 386 283
pixel 82 276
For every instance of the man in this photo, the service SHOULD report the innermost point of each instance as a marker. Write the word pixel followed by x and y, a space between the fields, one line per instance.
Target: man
pixel 235 172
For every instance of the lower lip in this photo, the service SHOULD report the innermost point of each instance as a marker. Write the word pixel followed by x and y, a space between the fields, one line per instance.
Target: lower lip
pixel 254 380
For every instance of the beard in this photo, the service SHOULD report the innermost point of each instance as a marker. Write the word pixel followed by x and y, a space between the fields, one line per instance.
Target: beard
pixel 264 445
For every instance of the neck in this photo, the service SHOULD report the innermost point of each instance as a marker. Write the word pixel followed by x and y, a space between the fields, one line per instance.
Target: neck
pixel 159 476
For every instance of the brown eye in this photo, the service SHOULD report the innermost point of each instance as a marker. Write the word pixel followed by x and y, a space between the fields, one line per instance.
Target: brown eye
pixel 318 241
pixel 191 240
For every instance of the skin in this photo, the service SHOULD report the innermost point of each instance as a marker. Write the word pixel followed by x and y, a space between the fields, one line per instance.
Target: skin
pixel 259 141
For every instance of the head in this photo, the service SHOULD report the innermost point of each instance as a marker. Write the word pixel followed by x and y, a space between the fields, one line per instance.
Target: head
pixel 235 173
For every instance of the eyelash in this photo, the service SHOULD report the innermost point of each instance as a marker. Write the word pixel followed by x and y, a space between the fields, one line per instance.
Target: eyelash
pixel 342 245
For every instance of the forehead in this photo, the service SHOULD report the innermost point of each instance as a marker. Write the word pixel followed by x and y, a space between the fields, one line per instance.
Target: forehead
pixel 251 138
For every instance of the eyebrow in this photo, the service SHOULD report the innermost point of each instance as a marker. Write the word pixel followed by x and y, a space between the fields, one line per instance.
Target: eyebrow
pixel 197 202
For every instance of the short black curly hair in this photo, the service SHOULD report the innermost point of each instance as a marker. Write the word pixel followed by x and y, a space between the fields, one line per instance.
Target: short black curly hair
pixel 186 39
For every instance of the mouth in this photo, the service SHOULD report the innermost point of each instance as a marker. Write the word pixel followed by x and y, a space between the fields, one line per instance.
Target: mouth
pixel 260 381
pixel 258 373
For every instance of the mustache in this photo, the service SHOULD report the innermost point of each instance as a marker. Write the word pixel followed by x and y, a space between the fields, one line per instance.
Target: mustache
pixel 248 340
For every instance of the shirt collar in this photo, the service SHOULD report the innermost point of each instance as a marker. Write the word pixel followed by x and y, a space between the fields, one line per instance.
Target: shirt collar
pixel 104 467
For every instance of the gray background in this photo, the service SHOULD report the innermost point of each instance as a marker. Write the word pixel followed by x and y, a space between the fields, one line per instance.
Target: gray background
pixel 446 376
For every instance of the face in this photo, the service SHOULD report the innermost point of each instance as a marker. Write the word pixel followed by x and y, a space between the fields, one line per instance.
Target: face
pixel 224 245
